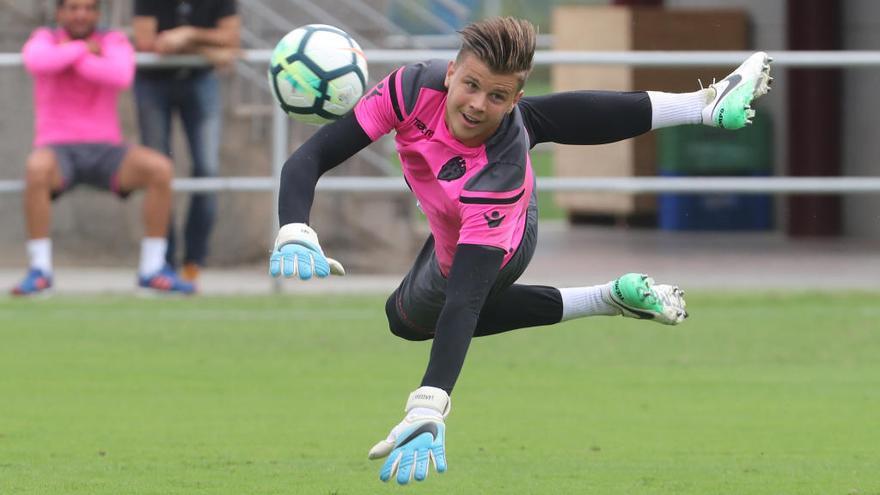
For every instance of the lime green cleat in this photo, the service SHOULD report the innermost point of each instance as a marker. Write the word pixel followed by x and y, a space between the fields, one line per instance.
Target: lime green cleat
pixel 730 106
pixel 636 296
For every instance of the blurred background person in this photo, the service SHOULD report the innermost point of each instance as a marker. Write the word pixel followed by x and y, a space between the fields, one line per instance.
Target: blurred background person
pixel 78 72
pixel 210 28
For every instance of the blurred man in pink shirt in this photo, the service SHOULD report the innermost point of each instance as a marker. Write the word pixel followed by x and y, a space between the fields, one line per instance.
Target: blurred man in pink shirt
pixel 78 73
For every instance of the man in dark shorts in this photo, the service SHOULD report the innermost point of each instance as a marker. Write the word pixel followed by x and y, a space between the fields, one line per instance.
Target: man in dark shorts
pixel 78 73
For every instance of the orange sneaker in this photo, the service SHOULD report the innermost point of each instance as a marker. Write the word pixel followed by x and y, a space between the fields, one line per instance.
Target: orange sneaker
pixel 190 272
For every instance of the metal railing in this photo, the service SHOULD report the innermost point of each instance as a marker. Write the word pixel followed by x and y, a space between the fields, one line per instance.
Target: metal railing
pixel 779 185
pixel 803 59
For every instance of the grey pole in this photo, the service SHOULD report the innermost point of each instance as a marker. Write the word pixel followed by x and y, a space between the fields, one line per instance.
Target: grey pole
pixel 280 124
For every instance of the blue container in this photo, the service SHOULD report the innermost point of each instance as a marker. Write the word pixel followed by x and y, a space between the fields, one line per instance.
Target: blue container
pixel 715 211
pixel 697 151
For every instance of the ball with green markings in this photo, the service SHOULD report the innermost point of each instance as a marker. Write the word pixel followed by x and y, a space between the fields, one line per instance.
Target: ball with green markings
pixel 317 73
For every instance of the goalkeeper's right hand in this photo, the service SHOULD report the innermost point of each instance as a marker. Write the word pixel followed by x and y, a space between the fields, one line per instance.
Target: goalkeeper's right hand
pixel 297 253
pixel 417 440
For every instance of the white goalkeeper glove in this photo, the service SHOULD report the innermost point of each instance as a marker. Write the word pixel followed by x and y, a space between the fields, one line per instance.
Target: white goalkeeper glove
pixel 417 440
pixel 297 253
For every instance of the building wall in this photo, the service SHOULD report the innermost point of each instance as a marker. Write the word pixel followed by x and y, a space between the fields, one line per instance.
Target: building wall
pixel 105 231
pixel 861 146
pixel 768 34
pixel 98 227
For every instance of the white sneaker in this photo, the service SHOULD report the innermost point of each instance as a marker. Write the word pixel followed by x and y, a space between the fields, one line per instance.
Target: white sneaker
pixel 636 296
pixel 731 103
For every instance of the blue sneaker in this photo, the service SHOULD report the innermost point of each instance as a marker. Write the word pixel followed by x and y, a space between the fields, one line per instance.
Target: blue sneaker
pixel 35 282
pixel 166 281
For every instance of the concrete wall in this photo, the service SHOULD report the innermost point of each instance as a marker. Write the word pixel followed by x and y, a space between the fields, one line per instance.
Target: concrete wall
pixel 861 146
pixel 97 229
pixel 105 230
pixel 767 34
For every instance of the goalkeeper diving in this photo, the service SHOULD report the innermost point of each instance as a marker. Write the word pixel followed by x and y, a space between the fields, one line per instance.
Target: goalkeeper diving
pixel 463 133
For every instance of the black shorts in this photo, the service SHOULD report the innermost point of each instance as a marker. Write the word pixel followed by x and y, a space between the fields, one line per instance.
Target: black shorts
pixel 95 164
pixel 421 295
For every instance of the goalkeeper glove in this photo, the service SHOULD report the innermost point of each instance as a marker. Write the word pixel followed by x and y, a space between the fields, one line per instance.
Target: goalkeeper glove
pixel 297 253
pixel 418 439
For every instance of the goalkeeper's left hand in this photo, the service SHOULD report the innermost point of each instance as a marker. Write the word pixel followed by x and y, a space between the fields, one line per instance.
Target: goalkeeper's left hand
pixel 417 440
pixel 297 253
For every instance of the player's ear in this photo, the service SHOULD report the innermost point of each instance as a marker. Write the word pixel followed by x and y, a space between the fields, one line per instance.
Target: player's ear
pixel 516 99
pixel 449 70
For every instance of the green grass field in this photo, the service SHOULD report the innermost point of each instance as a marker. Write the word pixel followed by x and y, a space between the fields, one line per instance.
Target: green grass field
pixel 756 394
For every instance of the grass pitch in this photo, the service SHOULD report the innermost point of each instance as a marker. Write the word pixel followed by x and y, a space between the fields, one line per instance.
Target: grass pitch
pixel 756 394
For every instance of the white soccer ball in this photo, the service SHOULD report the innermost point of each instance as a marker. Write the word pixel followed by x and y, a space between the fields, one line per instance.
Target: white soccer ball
pixel 317 73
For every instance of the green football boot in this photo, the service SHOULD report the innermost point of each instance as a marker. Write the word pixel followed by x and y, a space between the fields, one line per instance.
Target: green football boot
pixel 636 296
pixel 730 106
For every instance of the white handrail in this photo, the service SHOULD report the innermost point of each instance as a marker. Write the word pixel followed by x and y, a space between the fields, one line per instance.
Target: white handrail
pixel 750 185
pixel 777 185
pixel 806 59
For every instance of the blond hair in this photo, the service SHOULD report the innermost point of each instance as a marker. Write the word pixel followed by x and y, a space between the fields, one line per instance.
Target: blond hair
pixel 505 44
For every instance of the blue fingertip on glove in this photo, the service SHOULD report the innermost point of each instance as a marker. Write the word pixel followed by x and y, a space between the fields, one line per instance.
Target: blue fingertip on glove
pixel 298 260
pixel 417 448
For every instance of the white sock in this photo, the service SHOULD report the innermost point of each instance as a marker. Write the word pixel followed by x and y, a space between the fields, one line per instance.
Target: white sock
pixel 578 302
pixel 40 254
pixel 669 109
pixel 152 255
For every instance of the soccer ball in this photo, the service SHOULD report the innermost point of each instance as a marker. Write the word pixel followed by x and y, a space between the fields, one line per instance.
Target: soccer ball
pixel 317 73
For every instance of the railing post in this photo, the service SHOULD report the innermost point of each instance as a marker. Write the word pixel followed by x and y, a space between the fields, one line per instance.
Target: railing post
pixel 280 133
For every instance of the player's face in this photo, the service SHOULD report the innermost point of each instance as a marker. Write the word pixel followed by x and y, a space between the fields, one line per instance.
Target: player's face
pixel 478 99
pixel 78 17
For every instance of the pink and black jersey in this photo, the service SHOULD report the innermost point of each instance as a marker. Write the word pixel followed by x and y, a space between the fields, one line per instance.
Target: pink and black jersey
pixel 476 195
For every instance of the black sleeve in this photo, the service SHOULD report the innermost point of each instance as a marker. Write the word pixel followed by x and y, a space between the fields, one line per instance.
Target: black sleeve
pixel 331 145
pixel 586 117
pixel 145 8
pixel 474 270
pixel 226 8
